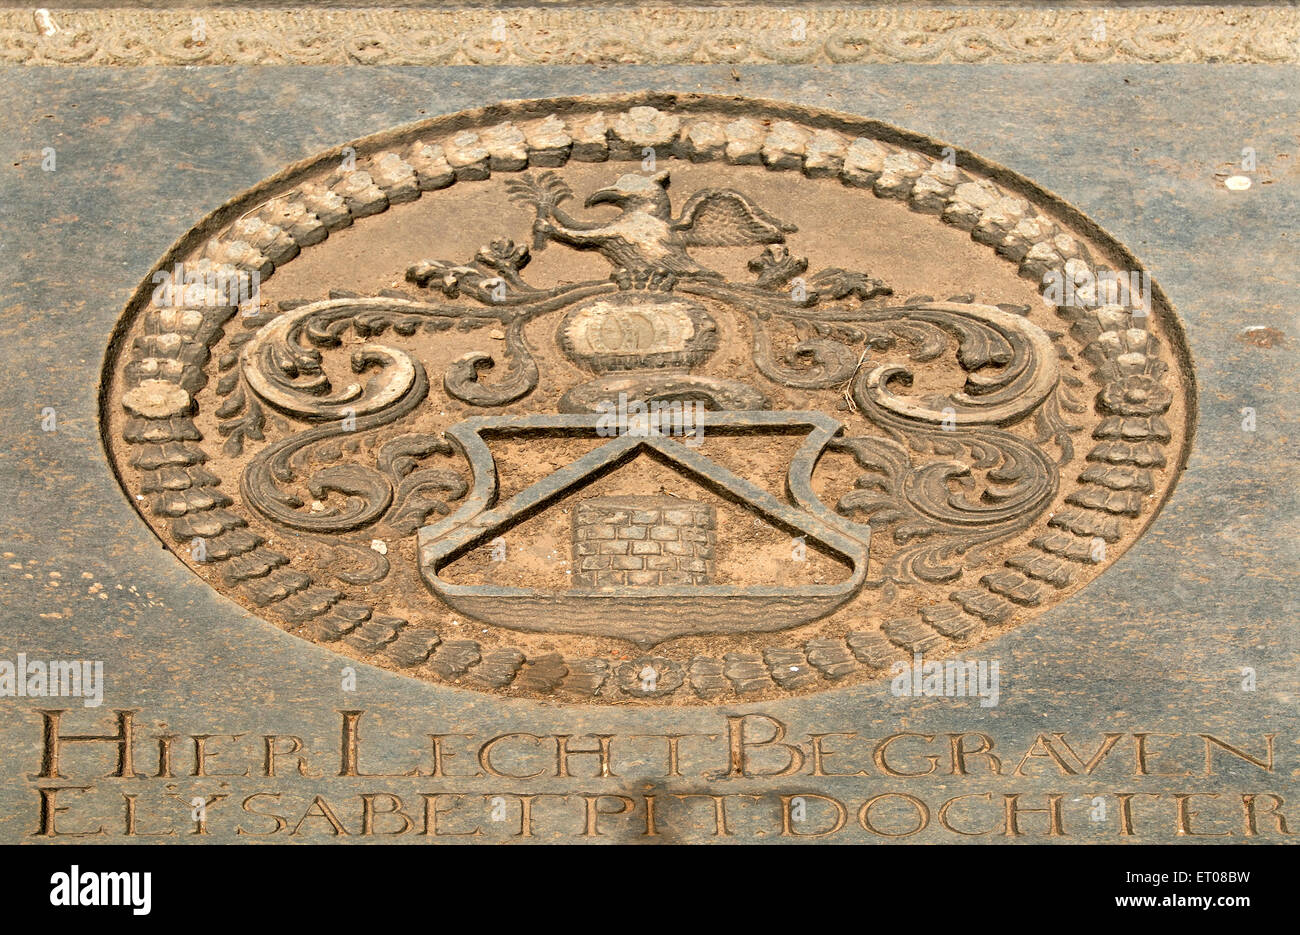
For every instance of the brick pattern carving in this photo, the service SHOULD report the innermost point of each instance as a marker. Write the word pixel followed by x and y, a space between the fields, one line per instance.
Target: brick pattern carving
pixel 642 541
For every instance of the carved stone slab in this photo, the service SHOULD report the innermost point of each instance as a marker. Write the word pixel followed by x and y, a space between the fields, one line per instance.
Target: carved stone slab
pixel 775 394
pixel 1148 696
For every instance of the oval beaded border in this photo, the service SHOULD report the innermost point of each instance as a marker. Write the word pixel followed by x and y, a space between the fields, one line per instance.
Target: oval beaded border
pixel 996 206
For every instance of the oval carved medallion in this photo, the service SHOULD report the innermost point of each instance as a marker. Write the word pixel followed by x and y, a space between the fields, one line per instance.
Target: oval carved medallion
pixel 651 399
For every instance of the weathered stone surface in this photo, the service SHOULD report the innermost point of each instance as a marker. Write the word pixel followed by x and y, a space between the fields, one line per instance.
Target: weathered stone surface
pixel 1195 600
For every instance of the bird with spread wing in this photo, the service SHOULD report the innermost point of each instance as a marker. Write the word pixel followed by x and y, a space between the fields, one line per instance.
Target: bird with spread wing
pixel 645 238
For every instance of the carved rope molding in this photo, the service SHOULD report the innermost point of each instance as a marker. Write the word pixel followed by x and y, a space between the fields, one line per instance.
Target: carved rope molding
pixel 650 36
pixel 165 371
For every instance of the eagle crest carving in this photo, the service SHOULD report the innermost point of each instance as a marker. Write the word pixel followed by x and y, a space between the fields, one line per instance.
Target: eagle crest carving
pixel 645 238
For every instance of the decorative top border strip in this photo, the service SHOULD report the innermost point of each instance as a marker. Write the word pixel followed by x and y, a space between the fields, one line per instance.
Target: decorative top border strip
pixel 651 36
